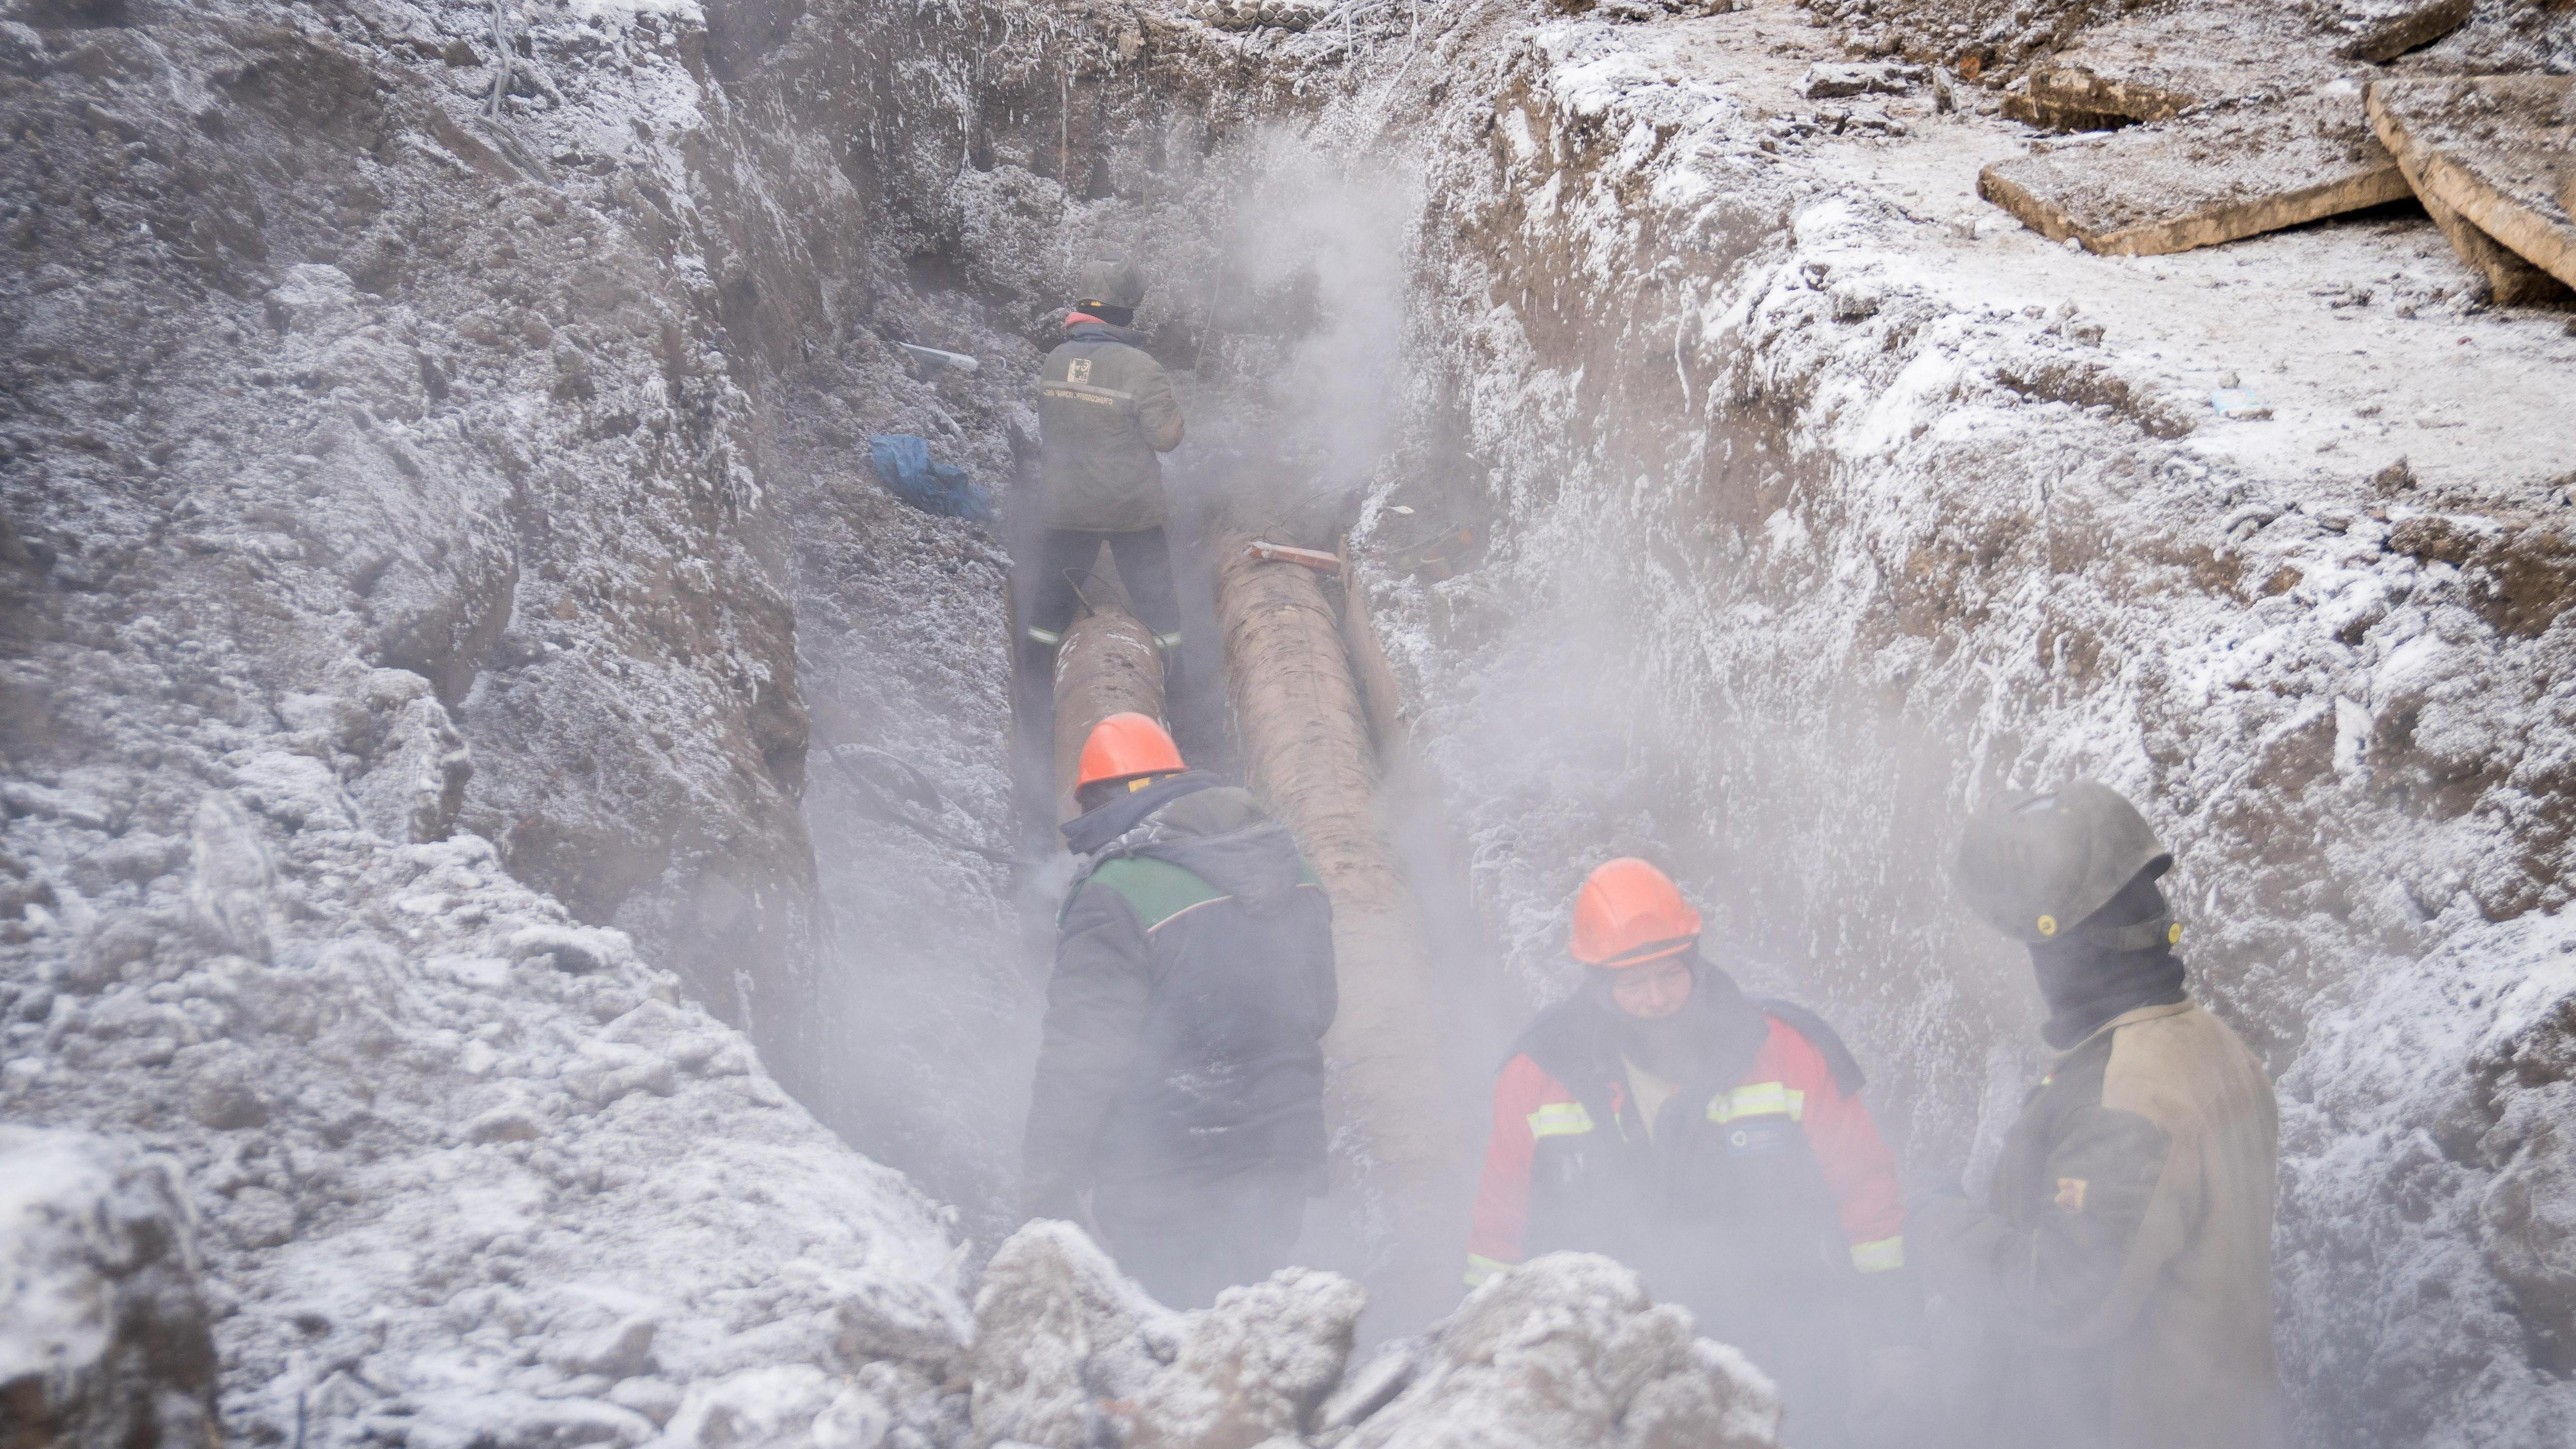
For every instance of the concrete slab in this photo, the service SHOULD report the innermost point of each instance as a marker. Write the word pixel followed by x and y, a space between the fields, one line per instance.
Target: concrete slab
pixel 2493 153
pixel 2509 279
pixel 2156 66
pixel 2386 29
pixel 2228 171
pixel 1826 80
pixel 2050 116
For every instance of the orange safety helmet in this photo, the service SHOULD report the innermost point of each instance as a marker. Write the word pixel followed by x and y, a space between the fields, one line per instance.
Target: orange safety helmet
pixel 1629 913
pixel 1124 746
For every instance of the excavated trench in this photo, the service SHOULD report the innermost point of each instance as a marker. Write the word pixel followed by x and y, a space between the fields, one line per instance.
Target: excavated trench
pixel 1732 512
pixel 463 669
pixel 1309 714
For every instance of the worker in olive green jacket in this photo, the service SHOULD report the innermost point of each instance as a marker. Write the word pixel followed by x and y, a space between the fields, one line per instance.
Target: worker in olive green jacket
pixel 2121 1265
pixel 1105 411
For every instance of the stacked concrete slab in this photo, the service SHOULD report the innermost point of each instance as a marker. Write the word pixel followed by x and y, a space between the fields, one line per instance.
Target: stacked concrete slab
pixel 2155 66
pixel 2222 172
pixel 2493 158
pixel 2226 121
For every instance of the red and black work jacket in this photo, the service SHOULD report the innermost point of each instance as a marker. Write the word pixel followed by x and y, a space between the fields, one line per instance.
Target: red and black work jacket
pixel 1762 1195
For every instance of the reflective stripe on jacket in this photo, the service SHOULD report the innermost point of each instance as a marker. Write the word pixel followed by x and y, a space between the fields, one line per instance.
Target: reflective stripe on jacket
pixel 1787 1160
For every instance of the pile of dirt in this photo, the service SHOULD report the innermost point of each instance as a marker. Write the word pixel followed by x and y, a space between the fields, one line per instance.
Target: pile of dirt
pixel 1565 1352
pixel 103 1318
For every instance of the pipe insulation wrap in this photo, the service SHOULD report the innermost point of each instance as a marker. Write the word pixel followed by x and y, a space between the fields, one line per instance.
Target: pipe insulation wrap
pixel 1106 665
pixel 1308 756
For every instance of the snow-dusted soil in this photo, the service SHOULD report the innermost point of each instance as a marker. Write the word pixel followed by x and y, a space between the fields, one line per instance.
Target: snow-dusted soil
pixel 1823 500
pixel 454 652
pixel 397 603
pixel 103 1333
pixel 1565 1350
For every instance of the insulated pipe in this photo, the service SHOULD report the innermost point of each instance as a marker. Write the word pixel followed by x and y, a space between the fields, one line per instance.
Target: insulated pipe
pixel 1107 664
pixel 1307 755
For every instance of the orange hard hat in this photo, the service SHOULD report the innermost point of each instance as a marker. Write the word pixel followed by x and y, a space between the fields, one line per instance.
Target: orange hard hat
pixel 1124 746
pixel 1629 913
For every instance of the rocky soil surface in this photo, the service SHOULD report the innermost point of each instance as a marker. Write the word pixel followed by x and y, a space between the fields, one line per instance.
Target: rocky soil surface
pixel 1567 1349
pixel 103 1333
pixel 498 800
pixel 398 609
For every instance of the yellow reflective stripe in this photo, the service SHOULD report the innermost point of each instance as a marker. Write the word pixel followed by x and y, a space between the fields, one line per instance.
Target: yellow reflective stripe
pixel 1758 1099
pixel 1481 1268
pixel 1880 1256
pixel 1560 1119
pixel 1067 395
pixel 1087 392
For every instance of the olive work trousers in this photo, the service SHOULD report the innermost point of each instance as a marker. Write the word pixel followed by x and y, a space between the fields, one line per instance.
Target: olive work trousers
pixel 1144 566
pixel 1187 1241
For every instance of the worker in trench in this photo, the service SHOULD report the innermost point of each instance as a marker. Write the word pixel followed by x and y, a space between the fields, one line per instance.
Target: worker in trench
pixel 1716 1143
pixel 1106 413
pixel 1180 1079
pixel 2113 1290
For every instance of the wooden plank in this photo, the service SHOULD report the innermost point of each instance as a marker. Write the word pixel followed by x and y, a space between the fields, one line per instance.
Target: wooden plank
pixel 2220 174
pixel 2486 155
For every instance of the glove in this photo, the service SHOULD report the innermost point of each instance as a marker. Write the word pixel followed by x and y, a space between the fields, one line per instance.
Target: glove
pixel 1894 1397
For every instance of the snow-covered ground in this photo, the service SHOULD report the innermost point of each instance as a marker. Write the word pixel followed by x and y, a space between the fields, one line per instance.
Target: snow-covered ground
pixel 435 534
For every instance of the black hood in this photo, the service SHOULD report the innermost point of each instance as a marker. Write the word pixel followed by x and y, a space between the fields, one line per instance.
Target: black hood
pixel 1103 332
pixel 2087 983
pixel 1201 824
pixel 1225 839
pixel 1587 1032
pixel 1093 830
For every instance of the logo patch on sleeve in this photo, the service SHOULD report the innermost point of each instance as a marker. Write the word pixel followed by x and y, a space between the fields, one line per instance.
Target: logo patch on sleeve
pixel 2070 1195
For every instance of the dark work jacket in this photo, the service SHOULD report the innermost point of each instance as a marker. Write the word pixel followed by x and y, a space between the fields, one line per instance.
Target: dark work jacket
pixel 1193 985
pixel 1764 1199
pixel 1105 410
pixel 2122 1260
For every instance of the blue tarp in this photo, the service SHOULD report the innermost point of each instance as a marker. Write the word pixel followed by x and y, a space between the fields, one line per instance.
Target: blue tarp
pixel 904 462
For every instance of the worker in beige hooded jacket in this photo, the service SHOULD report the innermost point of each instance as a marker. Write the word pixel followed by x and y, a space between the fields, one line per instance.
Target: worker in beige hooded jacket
pixel 2119 1272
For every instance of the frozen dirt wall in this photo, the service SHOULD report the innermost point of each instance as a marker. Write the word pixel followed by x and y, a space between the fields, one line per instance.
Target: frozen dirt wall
pixel 1814 519
pixel 394 600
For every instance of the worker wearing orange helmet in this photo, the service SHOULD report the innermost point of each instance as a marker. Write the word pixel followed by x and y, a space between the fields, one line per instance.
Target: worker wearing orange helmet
pixel 1716 1143
pixel 1180 1082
